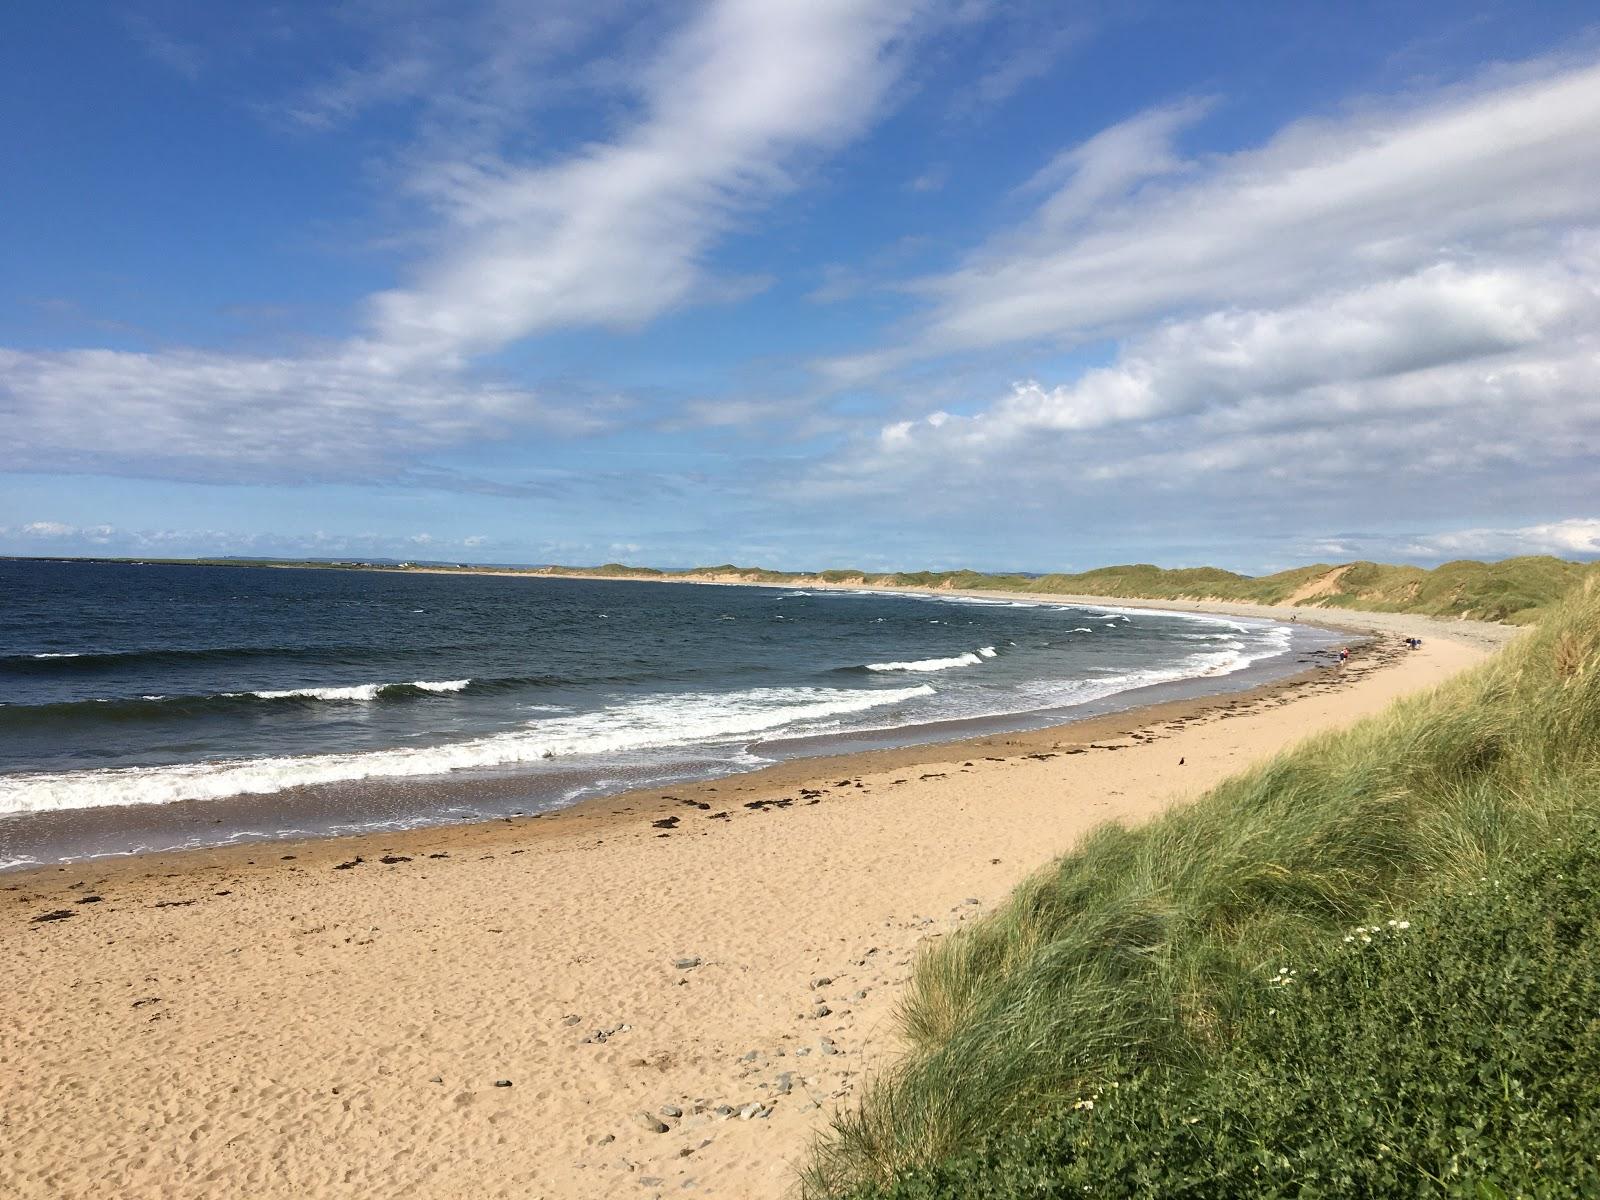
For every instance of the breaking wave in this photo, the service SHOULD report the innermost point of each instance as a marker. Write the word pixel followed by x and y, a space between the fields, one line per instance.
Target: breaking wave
pixel 666 721
pixel 970 658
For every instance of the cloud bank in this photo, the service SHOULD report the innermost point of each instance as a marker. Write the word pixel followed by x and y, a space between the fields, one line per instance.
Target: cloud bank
pixel 1395 312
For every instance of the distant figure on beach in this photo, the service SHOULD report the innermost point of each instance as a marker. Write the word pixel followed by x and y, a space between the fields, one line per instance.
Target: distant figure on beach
pixel 1344 655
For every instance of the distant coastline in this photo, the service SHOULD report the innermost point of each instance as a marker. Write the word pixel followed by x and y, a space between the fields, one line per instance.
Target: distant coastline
pixel 1513 590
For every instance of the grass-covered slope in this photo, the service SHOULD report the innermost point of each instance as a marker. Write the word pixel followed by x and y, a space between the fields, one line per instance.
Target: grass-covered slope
pixel 1515 589
pixel 1145 973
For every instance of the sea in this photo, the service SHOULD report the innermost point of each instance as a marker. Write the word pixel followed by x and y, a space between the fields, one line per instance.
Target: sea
pixel 148 707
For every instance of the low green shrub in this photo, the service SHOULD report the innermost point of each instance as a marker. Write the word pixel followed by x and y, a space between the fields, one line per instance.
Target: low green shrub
pixel 1454 1051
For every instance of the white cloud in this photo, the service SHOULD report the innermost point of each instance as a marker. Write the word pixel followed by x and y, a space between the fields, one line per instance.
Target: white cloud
pixel 1575 537
pixel 62 538
pixel 1386 190
pixel 616 234
pixel 1381 317
pixel 231 417
pixel 1340 354
pixel 1110 165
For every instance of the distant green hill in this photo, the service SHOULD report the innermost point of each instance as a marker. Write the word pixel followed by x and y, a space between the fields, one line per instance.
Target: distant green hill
pixel 1514 589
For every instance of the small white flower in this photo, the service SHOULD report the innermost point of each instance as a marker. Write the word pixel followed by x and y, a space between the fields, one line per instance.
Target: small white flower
pixel 1086 1105
pixel 1404 925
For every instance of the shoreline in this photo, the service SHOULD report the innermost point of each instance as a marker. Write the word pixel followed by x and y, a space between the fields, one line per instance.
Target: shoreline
pixel 296 814
pixel 826 754
pixel 792 774
pixel 283 1019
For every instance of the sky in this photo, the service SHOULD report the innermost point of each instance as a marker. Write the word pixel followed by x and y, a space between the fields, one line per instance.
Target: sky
pixel 892 284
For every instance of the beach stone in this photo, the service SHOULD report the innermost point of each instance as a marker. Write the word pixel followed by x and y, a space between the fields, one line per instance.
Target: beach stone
pixel 785 1083
pixel 859 995
pixel 687 963
pixel 802 1051
pixel 821 981
pixel 971 900
pixel 751 1056
pixel 821 1010
pixel 671 1110
pixel 651 1122
pixel 436 1079
pixel 829 1048
pixel 724 1110
pixel 751 1111
pixel 571 1020
pixel 502 1083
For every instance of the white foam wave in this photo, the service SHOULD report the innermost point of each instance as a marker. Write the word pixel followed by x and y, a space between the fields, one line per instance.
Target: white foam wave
pixel 969 659
pixel 355 692
pixel 646 724
pixel 982 602
pixel 360 691
pixel 74 654
pixel 987 651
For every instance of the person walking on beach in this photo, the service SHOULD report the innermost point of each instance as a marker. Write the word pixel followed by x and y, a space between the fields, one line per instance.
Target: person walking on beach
pixel 1344 655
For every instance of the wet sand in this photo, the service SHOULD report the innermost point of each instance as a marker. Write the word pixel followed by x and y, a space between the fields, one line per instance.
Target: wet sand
pixel 337 1018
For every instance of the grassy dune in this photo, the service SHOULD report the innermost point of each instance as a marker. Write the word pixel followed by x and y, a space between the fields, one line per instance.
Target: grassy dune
pixel 1515 589
pixel 1124 1025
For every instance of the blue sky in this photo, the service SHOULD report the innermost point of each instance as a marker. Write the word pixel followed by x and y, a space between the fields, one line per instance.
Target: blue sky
pixel 887 283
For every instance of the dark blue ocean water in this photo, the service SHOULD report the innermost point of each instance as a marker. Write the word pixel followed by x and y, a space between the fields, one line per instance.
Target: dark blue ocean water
pixel 130 687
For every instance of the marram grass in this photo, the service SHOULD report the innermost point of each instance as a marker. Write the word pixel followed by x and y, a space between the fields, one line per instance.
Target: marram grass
pixel 1142 956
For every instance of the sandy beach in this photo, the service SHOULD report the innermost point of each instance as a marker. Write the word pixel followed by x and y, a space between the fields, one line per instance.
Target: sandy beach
pixel 662 993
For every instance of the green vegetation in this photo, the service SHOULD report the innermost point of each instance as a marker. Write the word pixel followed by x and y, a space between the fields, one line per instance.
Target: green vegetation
pixel 1514 590
pixel 1145 973
pixel 1458 1055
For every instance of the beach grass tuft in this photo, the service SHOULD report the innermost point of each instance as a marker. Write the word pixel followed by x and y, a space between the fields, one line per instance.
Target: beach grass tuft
pixel 1149 958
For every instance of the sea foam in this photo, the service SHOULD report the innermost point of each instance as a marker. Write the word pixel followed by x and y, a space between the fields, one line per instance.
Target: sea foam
pixel 970 659
pixel 653 723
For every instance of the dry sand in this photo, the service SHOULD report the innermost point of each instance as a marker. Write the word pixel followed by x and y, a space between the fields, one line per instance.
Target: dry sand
pixel 331 1018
